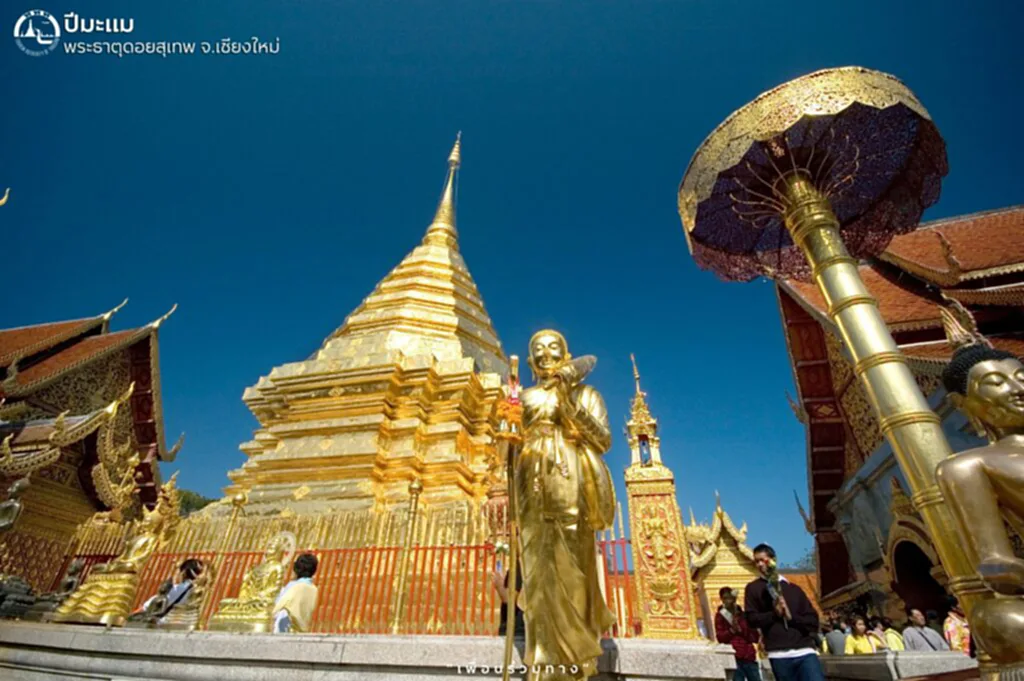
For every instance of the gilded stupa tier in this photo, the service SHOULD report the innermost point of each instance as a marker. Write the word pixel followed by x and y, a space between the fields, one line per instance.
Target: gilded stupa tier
pixel 404 389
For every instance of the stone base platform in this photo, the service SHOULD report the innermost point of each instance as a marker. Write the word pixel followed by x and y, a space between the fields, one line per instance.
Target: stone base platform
pixel 34 652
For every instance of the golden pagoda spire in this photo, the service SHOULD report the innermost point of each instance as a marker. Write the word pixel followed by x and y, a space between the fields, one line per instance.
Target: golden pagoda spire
pixel 442 230
pixel 642 428
pixel 636 373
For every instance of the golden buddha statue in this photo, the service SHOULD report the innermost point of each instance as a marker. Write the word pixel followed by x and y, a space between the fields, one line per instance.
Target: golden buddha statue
pixel 106 595
pixel 564 494
pixel 252 609
pixel 985 486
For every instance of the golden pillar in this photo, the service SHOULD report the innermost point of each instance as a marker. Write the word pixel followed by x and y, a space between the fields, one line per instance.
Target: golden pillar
pixel 415 487
pixel 839 157
pixel 661 555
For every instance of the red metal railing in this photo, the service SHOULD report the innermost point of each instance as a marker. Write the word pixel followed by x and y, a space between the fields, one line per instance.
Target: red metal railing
pixel 449 589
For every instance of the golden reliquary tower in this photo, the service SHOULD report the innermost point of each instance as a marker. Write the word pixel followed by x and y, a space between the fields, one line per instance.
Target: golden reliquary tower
pixel 405 389
pixel 661 555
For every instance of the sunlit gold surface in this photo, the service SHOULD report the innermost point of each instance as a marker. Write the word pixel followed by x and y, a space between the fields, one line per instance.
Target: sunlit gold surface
pixel 661 557
pixel 404 389
pixel 106 595
pixel 565 431
pixel 252 610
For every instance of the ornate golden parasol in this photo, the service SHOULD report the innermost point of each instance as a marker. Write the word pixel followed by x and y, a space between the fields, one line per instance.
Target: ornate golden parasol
pixel 799 182
pixel 859 137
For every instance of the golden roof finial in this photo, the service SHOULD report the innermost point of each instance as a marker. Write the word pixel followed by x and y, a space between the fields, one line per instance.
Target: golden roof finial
pixel 960 326
pixel 7 195
pixel 636 374
pixel 442 230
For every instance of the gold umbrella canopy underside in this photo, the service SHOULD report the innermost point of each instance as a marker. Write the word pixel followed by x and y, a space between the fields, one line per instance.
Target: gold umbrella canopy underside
pixel 863 138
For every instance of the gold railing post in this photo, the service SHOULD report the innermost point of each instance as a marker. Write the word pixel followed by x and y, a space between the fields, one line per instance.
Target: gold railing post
pixel 237 502
pixel 904 417
pixel 415 487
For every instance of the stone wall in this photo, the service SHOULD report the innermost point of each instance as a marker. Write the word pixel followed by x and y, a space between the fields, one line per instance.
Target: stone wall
pixel 30 652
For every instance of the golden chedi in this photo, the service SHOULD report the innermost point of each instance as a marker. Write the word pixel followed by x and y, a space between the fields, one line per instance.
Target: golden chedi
pixel 985 486
pixel 405 388
pixel 563 494
pixel 252 610
pixel 106 595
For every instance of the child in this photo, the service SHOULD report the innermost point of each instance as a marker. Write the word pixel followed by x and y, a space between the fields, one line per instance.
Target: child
pixel 294 608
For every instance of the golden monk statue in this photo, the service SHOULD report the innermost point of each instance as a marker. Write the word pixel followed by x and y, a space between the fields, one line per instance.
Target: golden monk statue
pixel 563 494
pixel 106 595
pixel 252 610
pixel 984 486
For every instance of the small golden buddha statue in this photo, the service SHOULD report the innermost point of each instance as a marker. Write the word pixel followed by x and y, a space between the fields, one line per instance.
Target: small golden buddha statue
pixel 106 595
pixel 252 609
pixel 564 494
pixel 984 487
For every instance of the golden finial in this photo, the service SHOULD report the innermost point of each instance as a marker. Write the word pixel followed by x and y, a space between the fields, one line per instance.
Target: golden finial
pixel 173 451
pixel 693 518
pixel 155 324
pixel 636 373
pixel 960 326
pixel 808 525
pixel 442 230
pixel 7 193
pixel 107 315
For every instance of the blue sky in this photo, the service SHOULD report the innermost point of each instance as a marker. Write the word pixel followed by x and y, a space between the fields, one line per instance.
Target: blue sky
pixel 268 194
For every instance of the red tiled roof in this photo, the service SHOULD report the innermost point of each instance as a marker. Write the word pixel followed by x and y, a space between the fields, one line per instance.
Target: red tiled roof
pixel 901 303
pixel 77 354
pixel 947 252
pixel 31 339
pixel 808 583
pixel 942 351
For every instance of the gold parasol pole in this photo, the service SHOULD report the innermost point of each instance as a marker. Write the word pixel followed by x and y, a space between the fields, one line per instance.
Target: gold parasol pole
pixel 906 420
pixel 511 438
pixel 237 502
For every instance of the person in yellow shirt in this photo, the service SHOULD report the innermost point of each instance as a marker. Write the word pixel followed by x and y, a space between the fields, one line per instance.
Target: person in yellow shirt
pixel 861 641
pixel 294 608
pixel 893 638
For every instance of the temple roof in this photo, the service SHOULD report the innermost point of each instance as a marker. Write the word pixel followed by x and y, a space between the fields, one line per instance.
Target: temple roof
pixel 903 301
pixel 705 540
pixel 36 356
pixel 951 251
pixel 427 305
pixel 944 258
pixel 28 340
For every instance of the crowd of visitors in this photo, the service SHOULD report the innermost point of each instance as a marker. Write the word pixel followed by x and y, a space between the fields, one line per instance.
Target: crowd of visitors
pixel 780 620
pixel 923 632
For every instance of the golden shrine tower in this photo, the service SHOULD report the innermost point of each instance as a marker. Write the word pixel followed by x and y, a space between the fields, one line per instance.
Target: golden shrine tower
pixel 405 389
pixel 661 555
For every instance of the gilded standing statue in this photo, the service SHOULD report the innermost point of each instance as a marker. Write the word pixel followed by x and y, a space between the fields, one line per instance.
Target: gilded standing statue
pixel 564 494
